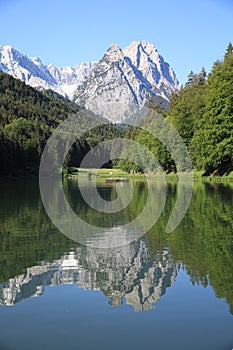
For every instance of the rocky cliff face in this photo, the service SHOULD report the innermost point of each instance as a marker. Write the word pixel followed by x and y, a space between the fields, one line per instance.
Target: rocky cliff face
pixel 127 273
pixel 122 82
pixel 116 88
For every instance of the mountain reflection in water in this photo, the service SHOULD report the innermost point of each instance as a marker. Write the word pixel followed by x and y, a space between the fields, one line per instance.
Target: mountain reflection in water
pixel 34 254
pixel 127 272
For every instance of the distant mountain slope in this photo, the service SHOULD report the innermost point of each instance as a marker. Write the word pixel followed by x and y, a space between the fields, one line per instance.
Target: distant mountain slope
pixel 116 87
pixel 31 70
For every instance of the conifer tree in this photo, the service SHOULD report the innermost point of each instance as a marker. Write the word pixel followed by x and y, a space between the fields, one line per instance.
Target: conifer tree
pixel 212 144
pixel 186 106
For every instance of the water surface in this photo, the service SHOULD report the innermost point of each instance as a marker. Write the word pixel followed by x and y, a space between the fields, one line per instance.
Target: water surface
pixel 162 291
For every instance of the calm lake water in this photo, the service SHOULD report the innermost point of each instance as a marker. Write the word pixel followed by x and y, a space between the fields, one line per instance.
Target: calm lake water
pixel 163 291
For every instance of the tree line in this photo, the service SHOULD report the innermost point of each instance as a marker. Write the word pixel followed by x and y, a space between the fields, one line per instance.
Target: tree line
pixel 202 113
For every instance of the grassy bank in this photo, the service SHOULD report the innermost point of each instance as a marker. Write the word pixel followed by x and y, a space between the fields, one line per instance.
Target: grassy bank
pixel 120 174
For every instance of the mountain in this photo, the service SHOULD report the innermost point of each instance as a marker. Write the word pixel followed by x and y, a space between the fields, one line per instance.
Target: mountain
pixel 33 72
pixel 116 87
pixel 122 82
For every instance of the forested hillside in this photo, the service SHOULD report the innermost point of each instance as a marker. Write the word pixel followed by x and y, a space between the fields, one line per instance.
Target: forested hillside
pixel 27 119
pixel 202 112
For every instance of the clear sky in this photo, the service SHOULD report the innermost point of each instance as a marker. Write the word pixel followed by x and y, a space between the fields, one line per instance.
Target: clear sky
pixel 189 34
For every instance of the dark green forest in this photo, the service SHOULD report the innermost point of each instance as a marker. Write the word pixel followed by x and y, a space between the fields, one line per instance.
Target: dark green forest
pixel 27 119
pixel 202 112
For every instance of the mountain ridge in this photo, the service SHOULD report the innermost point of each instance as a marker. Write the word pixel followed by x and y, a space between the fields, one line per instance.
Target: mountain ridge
pixel 116 87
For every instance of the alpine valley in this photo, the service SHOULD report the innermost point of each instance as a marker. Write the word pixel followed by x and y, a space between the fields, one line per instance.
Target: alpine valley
pixel 117 87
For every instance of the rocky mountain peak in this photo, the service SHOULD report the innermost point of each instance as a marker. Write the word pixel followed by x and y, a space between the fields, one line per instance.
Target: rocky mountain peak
pixel 138 51
pixel 112 55
pixel 8 54
pixel 123 81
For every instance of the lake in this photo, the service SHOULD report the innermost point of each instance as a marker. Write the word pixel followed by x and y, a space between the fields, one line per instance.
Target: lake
pixel 162 291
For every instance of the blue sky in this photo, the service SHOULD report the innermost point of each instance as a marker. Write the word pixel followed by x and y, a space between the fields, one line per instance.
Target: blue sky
pixel 188 34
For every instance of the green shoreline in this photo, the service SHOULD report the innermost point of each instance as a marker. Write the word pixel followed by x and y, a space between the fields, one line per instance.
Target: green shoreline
pixel 117 174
